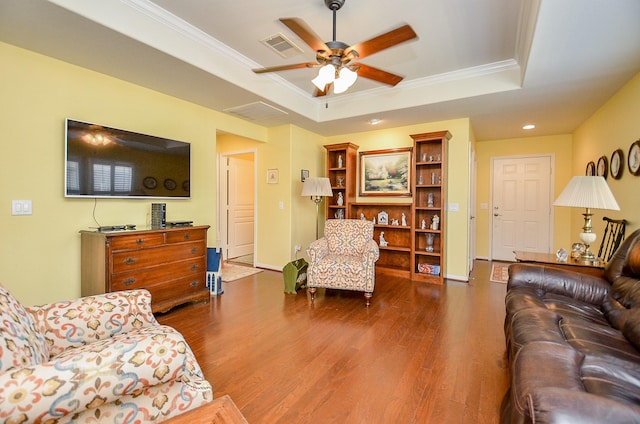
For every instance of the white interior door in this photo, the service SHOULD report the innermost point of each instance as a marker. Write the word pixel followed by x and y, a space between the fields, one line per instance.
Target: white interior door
pixel 240 205
pixel 473 175
pixel 521 206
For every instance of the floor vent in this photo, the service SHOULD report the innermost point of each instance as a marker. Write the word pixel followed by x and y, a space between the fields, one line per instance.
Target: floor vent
pixel 282 45
pixel 256 111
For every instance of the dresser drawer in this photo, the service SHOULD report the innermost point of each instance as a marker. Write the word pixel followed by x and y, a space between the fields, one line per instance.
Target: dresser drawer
pixel 136 241
pixel 140 278
pixel 138 259
pixel 169 292
pixel 179 236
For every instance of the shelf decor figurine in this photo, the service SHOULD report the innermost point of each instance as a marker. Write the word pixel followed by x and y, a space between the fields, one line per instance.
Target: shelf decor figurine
pixel 340 161
pixel 430 200
pixel 435 222
pixel 383 242
pixel 340 200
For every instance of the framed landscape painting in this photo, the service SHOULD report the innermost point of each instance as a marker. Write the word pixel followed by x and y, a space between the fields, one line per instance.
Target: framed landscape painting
pixel 385 172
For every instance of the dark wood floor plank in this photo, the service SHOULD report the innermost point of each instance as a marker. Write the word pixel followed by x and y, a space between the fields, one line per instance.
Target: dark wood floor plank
pixel 420 353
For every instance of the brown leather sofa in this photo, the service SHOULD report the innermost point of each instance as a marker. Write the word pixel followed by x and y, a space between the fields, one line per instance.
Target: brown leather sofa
pixel 573 342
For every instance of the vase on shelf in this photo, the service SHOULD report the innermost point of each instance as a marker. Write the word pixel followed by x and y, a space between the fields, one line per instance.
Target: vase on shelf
pixel 430 237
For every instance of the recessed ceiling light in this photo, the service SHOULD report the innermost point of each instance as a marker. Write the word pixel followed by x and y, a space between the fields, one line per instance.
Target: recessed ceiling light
pixel 528 127
pixel 374 121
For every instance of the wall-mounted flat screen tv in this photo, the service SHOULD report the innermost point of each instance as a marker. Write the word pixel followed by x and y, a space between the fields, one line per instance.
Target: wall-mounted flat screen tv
pixel 109 162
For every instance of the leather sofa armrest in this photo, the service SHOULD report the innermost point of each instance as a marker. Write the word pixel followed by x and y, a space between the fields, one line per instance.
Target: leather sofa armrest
pixel 89 319
pixel 583 287
pixel 556 405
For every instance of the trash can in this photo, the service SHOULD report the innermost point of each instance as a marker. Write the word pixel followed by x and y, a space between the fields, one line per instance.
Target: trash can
pixel 295 275
pixel 214 270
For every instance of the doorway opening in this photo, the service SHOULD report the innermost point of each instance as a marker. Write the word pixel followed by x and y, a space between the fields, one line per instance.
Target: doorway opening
pixel 237 214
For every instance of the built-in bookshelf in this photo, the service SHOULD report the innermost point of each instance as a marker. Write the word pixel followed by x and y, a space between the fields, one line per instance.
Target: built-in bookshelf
pixel 341 171
pixel 395 256
pixel 429 188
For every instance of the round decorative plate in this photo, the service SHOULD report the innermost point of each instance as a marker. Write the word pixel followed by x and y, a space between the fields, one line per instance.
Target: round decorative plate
pixel 150 183
pixel 616 164
pixel 591 169
pixel 169 184
pixel 602 170
pixel 633 160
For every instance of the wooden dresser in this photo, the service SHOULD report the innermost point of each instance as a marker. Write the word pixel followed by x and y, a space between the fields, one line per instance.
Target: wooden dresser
pixel 171 263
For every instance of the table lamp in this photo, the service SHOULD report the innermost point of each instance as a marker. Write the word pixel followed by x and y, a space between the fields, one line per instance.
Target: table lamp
pixel 588 192
pixel 316 189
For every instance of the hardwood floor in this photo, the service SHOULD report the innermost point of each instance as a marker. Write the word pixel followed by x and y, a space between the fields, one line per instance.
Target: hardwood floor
pixel 420 353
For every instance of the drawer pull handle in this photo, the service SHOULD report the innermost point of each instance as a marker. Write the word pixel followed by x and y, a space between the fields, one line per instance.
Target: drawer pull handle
pixel 187 236
pixel 195 250
pixel 194 267
pixel 130 261
pixel 194 284
pixel 140 241
pixel 129 281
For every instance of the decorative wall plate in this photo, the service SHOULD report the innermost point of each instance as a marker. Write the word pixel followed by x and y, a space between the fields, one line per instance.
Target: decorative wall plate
pixel 633 160
pixel 591 169
pixel 150 183
pixel 169 184
pixel 602 169
pixel 616 164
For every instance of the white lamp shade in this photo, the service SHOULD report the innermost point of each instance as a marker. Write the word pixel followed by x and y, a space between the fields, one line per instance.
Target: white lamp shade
pixel 320 186
pixel 346 80
pixel 587 192
pixel 326 75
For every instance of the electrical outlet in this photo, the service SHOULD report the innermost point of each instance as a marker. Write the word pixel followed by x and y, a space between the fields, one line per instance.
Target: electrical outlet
pixel 297 248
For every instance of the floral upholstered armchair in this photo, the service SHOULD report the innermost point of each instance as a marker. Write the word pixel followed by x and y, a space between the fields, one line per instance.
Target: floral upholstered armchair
pixel 344 258
pixel 100 358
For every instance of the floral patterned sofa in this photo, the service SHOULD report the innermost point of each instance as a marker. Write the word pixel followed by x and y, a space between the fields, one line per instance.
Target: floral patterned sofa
pixel 100 358
pixel 344 258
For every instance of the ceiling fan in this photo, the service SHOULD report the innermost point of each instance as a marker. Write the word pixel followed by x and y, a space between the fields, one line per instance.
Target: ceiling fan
pixel 334 58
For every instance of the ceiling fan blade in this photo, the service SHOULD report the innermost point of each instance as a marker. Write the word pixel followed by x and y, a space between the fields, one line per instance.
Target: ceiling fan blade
pixel 381 42
pixel 320 93
pixel 286 67
pixel 300 28
pixel 376 74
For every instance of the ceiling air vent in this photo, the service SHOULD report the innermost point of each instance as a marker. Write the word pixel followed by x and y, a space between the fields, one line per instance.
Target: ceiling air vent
pixel 282 45
pixel 257 111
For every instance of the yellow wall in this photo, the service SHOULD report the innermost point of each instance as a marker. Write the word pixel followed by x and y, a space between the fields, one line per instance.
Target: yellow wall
pixel 289 150
pixel 558 145
pixel 40 253
pixel 614 126
pixel 457 179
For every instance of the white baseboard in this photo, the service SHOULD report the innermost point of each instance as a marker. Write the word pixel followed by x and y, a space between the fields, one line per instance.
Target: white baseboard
pixel 457 278
pixel 269 267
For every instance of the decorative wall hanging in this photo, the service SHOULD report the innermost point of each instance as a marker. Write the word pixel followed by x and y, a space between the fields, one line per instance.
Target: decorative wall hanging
pixel 617 164
pixel 385 172
pixel 591 169
pixel 633 160
pixel 602 169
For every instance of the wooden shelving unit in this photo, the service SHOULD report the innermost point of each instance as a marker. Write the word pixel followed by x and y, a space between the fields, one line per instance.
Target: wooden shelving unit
pixel 341 171
pixel 429 188
pixel 395 258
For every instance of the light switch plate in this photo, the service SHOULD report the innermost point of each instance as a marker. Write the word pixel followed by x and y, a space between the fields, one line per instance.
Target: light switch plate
pixel 21 207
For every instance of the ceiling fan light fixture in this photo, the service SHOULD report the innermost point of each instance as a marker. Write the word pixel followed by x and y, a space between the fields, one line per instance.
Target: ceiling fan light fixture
pixel 326 75
pixel 346 79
